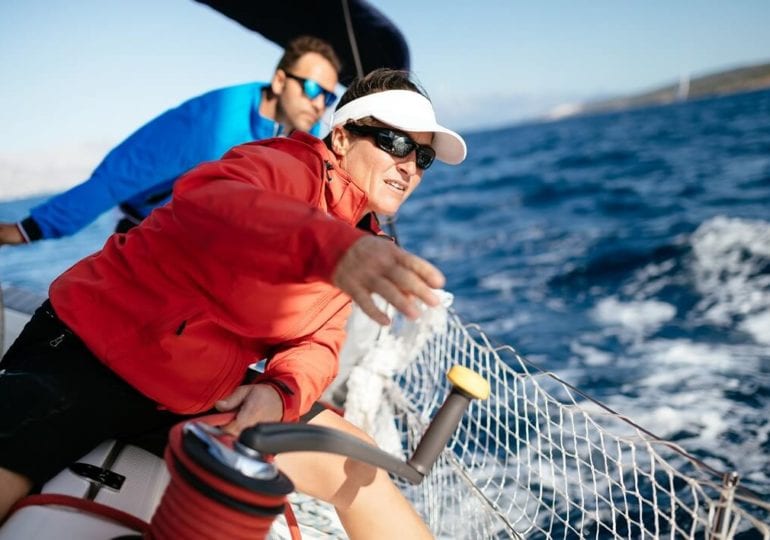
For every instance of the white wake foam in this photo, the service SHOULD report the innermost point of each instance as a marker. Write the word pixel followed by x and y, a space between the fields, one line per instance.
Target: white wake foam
pixel 731 258
pixel 640 317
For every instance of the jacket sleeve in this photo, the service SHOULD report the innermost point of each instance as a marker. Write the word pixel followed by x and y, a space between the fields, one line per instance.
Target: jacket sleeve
pixel 302 371
pixel 260 220
pixel 158 152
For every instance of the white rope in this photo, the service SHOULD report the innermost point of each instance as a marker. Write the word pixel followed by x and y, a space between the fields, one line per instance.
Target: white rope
pixel 387 355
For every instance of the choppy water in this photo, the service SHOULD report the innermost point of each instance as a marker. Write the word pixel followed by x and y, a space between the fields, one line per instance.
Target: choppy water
pixel 628 252
pixel 631 254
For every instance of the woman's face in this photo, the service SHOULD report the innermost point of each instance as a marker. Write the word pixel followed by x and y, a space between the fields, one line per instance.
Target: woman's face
pixel 386 179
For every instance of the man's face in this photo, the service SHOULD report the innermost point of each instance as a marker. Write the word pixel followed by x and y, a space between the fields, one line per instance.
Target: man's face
pixel 295 109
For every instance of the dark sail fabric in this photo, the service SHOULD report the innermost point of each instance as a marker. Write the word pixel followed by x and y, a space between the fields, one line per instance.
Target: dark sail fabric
pixel 378 41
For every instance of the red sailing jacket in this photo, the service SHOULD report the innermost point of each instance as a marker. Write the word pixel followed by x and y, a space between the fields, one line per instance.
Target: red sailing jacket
pixel 236 268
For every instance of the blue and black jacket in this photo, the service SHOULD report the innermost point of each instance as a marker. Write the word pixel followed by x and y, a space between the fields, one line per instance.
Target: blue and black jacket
pixel 139 173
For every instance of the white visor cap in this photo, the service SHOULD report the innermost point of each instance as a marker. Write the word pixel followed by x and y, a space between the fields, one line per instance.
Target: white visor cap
pixel 406 111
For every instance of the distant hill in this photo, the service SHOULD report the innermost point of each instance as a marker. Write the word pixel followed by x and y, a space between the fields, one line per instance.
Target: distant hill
pixel 731 81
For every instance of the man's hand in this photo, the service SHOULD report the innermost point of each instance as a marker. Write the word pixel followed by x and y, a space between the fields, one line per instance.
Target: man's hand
pixel 374 265
pixel 10 234
pixel 255 403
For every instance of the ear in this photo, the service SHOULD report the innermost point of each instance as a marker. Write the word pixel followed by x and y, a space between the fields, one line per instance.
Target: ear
pixel 340 141
pixel 278 82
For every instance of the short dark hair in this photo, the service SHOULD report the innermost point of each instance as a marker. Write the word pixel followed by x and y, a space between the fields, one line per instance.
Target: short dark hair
pixel 302 45
pixel 380 80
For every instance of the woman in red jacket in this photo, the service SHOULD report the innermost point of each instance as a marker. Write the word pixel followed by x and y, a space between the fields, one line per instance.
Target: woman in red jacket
pixel 257 255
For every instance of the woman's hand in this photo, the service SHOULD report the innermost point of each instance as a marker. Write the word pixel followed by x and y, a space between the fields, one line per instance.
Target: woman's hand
pixel 255 403
pixel 374 265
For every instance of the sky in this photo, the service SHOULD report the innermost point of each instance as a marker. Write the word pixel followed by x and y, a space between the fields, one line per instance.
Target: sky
pixel 77 77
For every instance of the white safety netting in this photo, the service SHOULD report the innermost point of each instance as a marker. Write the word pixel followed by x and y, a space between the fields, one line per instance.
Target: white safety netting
pixel 538 459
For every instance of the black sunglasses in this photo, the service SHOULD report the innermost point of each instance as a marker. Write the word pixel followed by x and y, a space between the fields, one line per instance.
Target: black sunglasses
pixel 396 144
pixel 313 89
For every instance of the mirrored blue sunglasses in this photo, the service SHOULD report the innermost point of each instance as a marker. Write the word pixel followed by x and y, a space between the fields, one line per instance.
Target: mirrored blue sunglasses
pixel 312 89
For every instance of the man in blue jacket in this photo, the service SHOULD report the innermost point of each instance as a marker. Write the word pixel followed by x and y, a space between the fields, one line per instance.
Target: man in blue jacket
pixel 139 173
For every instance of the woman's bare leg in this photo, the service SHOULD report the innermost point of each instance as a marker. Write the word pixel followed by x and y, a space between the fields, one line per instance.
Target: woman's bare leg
pixel 13 487
pixel 368 503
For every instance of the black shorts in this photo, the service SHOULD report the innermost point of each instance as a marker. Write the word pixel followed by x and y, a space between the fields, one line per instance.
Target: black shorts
pixel 58 402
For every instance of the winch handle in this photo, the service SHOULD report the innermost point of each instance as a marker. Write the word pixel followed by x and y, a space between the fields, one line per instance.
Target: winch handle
pixel 276 438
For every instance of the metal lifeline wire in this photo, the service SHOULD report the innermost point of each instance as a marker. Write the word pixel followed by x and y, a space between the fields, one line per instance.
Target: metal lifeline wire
pixel 388 222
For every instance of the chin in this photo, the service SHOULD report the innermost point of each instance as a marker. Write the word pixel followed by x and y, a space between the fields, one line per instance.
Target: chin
pixel 303 124
pixel 388 210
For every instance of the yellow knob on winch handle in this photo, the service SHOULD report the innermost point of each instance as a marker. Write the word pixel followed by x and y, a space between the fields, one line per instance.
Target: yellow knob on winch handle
pixel 466 385
pixel 468 381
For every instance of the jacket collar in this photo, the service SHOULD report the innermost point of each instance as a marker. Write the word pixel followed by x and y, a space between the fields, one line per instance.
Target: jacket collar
pixel 343 198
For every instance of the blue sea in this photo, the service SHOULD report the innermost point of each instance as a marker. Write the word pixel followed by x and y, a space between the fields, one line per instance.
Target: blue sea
pixel 627 252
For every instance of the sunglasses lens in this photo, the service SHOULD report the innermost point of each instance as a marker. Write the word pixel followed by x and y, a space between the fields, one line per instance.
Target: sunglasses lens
pixel 425 157
pixel 400 145
pixel 329 98
pixel 311 88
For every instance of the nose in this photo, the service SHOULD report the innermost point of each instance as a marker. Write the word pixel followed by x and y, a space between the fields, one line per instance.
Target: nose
pixel 318 103
pixel 408 164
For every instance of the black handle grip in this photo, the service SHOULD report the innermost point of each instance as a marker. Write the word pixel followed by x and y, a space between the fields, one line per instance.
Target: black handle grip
pixel 436 437
pixel 275 438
